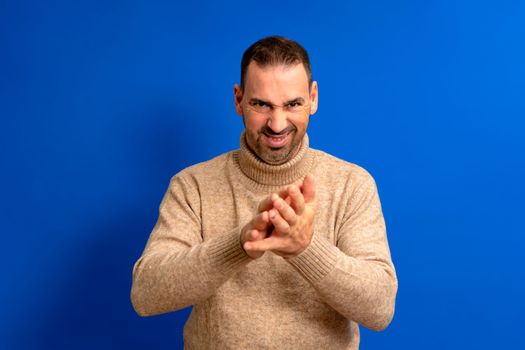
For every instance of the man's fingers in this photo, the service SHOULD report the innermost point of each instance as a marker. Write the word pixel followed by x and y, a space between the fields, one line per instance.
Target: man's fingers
pixel 267 203
pixel 285 210
pixel 308 188
pixel 253 236
pixel 260 222
pixel 263 245
pixel 297 199
pixel 295 196
pixel 256 235
pixel 280 225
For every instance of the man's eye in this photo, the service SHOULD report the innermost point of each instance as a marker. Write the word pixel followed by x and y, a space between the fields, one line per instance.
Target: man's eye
pixel 294 104
pixel 260 104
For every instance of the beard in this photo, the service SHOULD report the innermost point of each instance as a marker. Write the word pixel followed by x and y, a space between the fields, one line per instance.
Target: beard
pixel 274 155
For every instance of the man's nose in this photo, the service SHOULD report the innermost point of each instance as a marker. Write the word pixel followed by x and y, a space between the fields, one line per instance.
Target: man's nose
pixel 278 120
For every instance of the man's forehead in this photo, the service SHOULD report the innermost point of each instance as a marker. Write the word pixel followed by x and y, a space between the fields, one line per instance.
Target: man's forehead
pixel 266 79
pixel 278 68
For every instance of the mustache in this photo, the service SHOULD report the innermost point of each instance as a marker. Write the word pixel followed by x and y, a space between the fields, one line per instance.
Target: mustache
pixel 268 131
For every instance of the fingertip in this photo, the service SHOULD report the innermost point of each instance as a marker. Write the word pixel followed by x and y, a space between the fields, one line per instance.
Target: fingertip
pixel 254 246
pixel 310 178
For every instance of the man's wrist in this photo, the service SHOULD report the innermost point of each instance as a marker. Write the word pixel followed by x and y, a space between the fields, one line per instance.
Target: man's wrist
pixel 317 260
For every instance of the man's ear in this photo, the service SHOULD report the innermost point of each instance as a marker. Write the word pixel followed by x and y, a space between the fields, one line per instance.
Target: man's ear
pixel 314 97
pixel 237 99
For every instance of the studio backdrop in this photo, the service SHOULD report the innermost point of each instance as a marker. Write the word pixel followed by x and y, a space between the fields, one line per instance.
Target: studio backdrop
pixel 101 102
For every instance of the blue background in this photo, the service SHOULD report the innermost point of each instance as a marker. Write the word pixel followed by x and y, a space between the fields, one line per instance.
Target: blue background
pixel 103 101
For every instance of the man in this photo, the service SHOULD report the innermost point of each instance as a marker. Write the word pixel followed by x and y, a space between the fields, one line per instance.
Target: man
pixel 276 245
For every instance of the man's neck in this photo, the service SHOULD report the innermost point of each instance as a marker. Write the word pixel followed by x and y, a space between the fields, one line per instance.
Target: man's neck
pixel 292 170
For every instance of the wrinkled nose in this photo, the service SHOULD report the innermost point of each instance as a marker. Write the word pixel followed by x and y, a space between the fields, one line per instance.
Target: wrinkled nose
pixel 277 120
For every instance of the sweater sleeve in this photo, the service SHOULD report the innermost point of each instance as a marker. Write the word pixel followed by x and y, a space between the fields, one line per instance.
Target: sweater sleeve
pixel 356 276
pixel 178 268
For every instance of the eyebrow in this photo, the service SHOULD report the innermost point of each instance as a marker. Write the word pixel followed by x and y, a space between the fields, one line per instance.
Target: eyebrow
pixel 295 100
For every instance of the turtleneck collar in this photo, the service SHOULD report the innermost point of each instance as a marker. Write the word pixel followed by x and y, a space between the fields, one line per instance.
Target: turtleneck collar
pixel 275 175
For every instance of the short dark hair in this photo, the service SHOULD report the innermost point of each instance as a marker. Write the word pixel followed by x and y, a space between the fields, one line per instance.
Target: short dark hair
pixel 275 50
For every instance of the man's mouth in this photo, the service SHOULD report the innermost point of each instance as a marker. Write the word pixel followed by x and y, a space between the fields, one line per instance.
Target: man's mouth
pixel 276 141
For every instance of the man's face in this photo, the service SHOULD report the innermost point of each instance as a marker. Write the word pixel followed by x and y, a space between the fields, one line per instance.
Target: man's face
pixel 276 105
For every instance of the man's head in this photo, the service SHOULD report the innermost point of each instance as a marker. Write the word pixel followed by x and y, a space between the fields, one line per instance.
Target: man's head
pixel 276 97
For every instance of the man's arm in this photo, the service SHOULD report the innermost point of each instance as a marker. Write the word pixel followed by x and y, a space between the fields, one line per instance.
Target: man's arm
pixel 356 276
pixel 178 268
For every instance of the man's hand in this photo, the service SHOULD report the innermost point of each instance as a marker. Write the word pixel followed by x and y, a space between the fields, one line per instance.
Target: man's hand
pixel 256 230
pixel 291 213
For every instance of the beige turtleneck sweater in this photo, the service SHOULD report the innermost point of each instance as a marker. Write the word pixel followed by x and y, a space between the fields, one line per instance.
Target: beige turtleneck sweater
pixel 312 301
